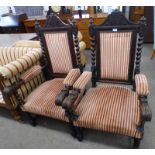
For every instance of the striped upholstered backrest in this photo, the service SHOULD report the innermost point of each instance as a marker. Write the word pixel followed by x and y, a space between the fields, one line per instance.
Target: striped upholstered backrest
pixel 59 51
pixel 115 54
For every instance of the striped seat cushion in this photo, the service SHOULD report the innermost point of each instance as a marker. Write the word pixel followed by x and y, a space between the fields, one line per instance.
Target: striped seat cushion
pixel 1 99
pixel 42 100
pixel 112 109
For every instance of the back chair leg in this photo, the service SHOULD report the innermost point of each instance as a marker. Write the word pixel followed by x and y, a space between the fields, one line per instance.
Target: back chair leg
pixel 79 133
pixel 136 143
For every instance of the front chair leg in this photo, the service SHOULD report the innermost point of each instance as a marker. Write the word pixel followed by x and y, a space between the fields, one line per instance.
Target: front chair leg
pixel 136 143
pixel 33 119
pixel 16 115
pixel 79 133
pixel 73 130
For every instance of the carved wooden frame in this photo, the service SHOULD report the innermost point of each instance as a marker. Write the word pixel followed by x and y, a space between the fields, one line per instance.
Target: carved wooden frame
pixel 54 23
pixel 118 21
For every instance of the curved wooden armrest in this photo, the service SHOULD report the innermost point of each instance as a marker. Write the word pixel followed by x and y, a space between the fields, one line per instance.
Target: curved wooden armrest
pixel 145 109
pixel 146 112
pixel 61 96
pixel 69 101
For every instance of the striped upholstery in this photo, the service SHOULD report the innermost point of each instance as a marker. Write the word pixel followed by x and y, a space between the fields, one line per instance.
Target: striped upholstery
pixel 110 108
pixel 72 76
pixel 42 100
pixel 115 54
pixel 59 52
pixel 142 87
pixel 9 54
pixel 19 65
pixel 1 99
pixel 81 82
pixel 31 73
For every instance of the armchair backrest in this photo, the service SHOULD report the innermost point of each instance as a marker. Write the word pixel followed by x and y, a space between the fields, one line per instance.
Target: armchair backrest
pixel 116 48
pixel 57 43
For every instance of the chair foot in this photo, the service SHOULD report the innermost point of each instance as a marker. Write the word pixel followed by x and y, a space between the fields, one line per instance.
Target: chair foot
pixel 79 133
pixel 16 115
pixel 73 131
pixel 33 119
pixel 136 143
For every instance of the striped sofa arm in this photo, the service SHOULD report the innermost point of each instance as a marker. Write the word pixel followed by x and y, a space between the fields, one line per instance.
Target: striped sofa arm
pixel 70 79
pixel 142 87
pixel 29 59
pixel 31 73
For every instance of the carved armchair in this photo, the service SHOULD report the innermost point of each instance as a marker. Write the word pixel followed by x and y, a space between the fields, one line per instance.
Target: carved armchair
pixel 60 66
pixel 116 47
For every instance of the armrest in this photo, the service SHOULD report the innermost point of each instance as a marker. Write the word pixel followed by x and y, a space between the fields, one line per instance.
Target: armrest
pixel 31 73
pixel 142 87
pixel 83 80
pixel 68 82
pixel 78 90
pixel 72 76
pixel 21 64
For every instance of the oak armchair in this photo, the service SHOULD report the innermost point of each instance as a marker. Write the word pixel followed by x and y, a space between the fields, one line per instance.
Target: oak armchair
pixel 116 47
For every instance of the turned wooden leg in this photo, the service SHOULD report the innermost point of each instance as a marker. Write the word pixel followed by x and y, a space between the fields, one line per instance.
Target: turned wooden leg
pixel 79 133
pixel 73 130
pixel 16 115
pixel 136 143
pixel 33 119
pixel 93 83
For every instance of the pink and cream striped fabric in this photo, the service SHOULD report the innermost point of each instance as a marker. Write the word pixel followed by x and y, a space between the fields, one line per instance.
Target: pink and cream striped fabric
pixel 115 54
pixel 19 65
pixel 59 52
pixel 31 73
pixel 42 100
pixel 142 87
pixel 82 81
pixel 112 109
pixel 72 76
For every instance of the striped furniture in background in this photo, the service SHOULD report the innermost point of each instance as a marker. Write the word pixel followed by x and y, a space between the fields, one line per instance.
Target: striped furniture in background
pixel 11 68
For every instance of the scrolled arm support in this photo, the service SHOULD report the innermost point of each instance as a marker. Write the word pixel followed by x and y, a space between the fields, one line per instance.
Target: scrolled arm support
pixel 145 109
pixel 69 101
pixel 61 96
